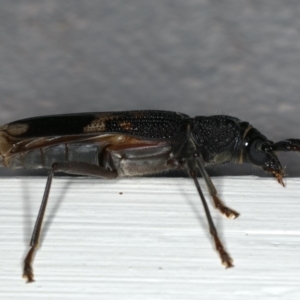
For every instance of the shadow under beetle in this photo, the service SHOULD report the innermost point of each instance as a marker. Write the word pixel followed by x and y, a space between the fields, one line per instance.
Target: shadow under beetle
pixel 133 143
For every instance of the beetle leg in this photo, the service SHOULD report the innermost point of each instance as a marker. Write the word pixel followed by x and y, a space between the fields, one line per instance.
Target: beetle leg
pixel 283 146
pixel 228 212
pixel 277 173
pixel 225 257
pixel 28 271
pixel 78 168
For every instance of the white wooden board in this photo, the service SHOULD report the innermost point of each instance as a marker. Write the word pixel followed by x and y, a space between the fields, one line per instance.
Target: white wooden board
pixel 147 238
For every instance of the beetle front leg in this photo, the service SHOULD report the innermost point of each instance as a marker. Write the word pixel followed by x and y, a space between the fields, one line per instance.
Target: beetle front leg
pixel 284 146
pixel 262 153
pixel 78 168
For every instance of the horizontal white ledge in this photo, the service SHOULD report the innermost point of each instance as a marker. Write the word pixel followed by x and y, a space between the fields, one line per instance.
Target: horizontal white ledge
pixel 147 238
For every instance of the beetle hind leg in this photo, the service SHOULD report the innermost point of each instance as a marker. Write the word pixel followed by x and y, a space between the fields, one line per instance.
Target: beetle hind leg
pixel 35 238
pixel 69 167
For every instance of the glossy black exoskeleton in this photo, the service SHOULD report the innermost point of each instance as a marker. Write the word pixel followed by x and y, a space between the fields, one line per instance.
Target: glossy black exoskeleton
pixel 133 143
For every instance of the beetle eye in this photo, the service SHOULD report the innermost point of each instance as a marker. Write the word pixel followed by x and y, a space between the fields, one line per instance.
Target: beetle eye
pixel 256 153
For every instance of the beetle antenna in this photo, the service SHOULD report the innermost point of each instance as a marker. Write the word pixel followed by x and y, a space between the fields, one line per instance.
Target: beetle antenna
pixel 225 258
pixel 287 145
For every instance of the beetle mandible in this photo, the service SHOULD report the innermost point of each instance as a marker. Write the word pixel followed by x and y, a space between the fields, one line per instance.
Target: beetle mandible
pixel 133 143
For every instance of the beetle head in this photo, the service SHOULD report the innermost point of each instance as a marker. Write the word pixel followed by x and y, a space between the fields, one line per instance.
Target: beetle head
pixel 259 151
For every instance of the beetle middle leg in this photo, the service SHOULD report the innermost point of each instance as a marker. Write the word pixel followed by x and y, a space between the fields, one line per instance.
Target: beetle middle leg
pixel 228 212
pixel 78 168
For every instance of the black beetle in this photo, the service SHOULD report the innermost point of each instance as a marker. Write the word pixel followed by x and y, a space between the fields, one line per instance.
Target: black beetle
pixel 134 143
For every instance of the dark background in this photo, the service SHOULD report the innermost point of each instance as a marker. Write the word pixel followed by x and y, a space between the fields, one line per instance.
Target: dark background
pixel 237 57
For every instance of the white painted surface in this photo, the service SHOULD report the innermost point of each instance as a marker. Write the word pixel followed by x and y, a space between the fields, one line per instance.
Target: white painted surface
pixel 151 242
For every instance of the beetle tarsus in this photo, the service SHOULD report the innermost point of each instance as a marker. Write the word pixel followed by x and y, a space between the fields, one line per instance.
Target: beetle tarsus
pixel 280 179
pixel 28 274
pixel 228 212
pixel 28 270
pixel 227 261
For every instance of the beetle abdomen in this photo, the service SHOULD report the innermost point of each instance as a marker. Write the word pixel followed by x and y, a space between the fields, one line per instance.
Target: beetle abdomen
pixel 45 157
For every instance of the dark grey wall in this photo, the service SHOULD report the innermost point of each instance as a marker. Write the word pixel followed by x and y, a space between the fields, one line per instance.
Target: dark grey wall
pixel 201 57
